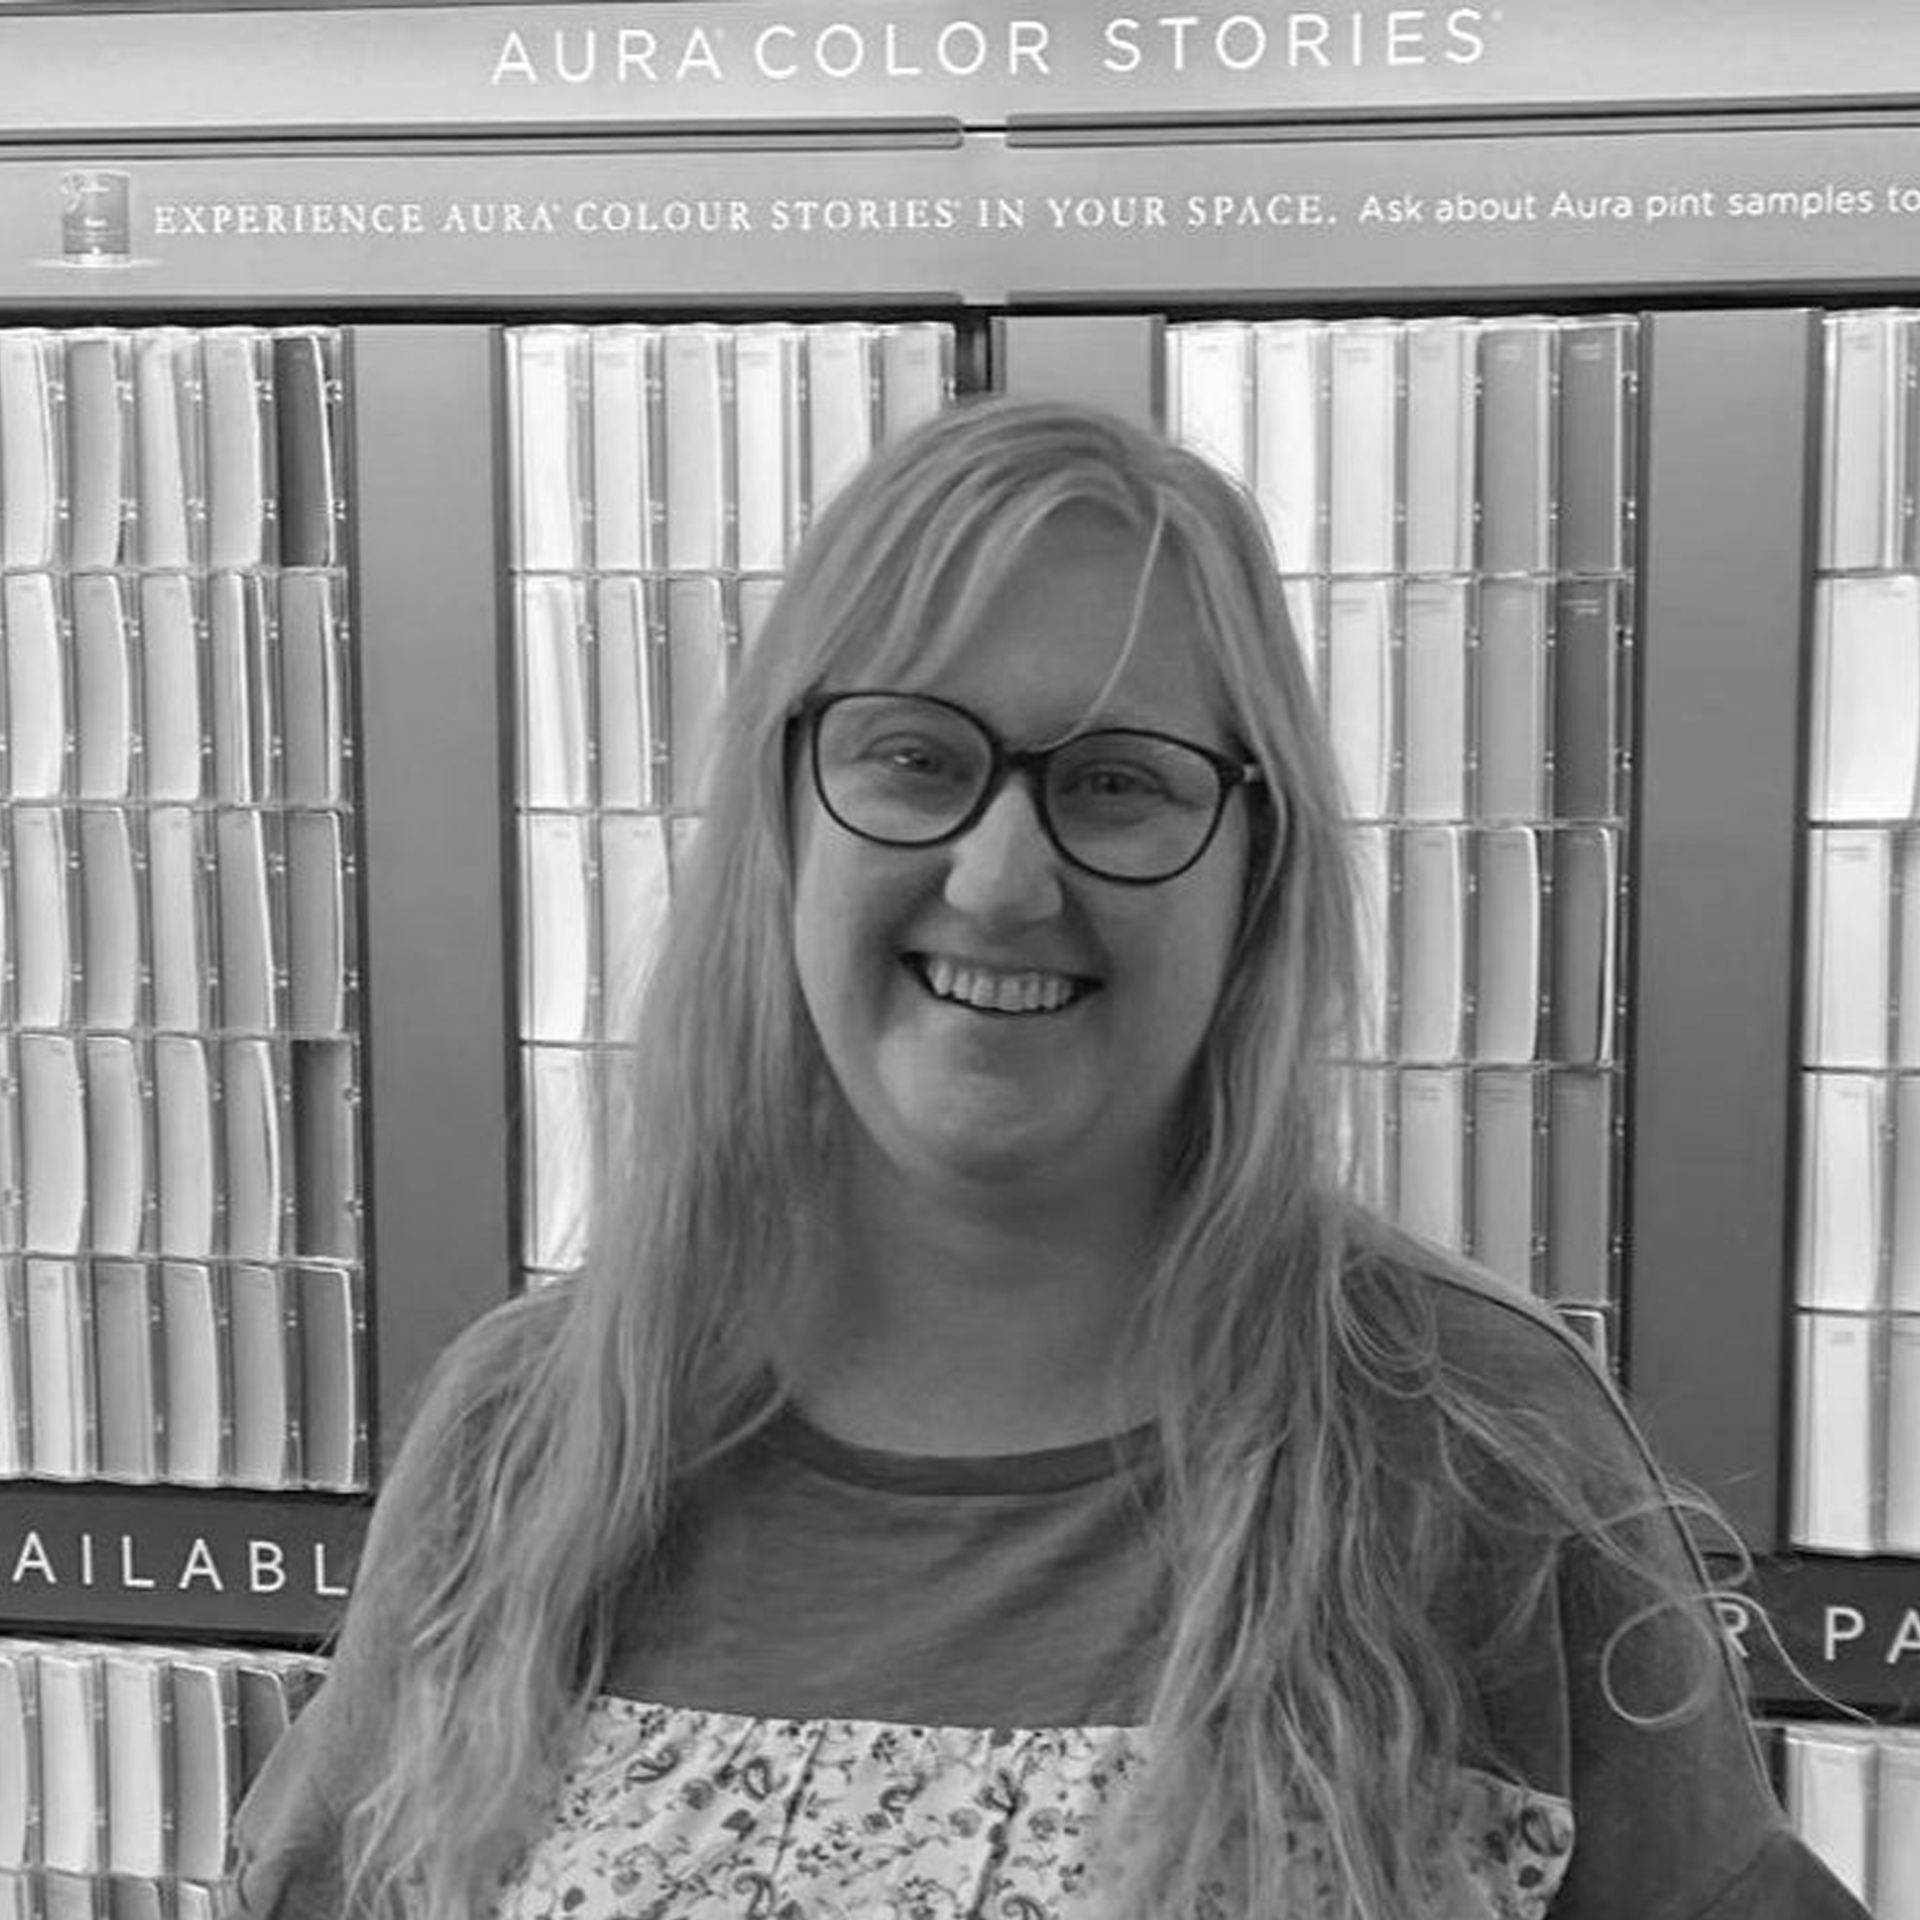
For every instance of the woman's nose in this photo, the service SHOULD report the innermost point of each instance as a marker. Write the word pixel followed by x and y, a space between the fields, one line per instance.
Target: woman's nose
pixel 1004 869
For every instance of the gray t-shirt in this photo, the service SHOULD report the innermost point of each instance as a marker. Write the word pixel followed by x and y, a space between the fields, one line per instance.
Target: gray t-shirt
pixel 850 1664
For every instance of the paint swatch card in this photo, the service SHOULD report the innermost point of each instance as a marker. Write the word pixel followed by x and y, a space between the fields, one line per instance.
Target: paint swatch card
pixel 1842 1212
pixel 1431 1139
pixel 206 1745
pixel 752 602
pixel 1896 1871
pixel 119 1154
pixel 1596 444
pixel 172 676
pixel 556 927
pixel 1580 1188
pixel 19 1754
pixel 1290 401
pixel 698 666
pixel 313 692
pixel 1584 985
pixel 187 1217
pixel 1431 943
pixel 242 463
pixel 72 1763
pixel 53 1142
pixel 112 918
pixel 1506 1173
pixel 697 394
pixel 1592 1327
pixel 547 380
pixel 169 467
pixel 1360 692
pixel 1849 908
pixel 45 918
pixel 326 1110
pixel 333 1337
pixel 557 1156
pixel 1435 658
pixel 1371 854
pixel 1866 482
pixel 628 503
pixel 180 917
pixel 1507 946
pixel 308 483
pixel 16 1391
pixel 635 895
pixel 1511 701
pixel 769 455
pixel 100 445
pixel 105 700
pixel 1441 444
pixel 255 1120
pixel 319 919
pixel 249 853
pixel 245 727
pixel 139 1763
pixel 1836 1491
pixel 1587 699
pixel 1900 1520
pixel 130 1349
pixel 1364 440
pixel 1864 743
pixel 553 732
pixel 916 373
pixel 60 1370
pixel 1904 1277
pixel 843 393
pixel 193 1318
pixel 267 1363
pixel 38 703
pixel 629 644
pixel 32 445
pixel 1517 386
pixel 1210 393
pixel 1306 604
pixel 1830 1796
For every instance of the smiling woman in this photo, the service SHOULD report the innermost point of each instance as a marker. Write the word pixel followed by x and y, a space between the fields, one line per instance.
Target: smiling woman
pixel 993 1466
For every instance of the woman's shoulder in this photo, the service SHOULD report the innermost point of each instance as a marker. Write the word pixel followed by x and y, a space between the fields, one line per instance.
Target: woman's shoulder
pixel 1483 1337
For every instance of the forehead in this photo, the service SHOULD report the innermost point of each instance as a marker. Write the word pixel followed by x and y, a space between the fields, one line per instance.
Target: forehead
pixel 1073 634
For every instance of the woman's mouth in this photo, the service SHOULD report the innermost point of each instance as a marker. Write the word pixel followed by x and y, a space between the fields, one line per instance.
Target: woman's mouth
pixel 997 989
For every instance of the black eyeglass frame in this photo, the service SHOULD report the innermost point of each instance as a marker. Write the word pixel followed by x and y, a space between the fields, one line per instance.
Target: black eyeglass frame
pixel 1005 760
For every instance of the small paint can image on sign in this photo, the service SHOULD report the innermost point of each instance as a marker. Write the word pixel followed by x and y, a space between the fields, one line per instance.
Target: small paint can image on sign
pixel 96 215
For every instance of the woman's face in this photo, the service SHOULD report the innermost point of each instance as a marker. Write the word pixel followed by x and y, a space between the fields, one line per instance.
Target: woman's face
pixel 896 947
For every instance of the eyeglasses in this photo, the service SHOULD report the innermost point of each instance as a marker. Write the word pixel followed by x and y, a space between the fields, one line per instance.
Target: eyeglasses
pixel 912 770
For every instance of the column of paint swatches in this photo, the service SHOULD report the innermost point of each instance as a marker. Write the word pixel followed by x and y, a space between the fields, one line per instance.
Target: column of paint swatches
pixel 1856 1482
pixel 661 476
pixel 181 1247
pixel 1451 511
pixel 1853 1794
pixel 121 1767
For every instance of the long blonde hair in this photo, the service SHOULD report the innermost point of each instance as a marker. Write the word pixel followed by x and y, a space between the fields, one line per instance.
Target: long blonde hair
pixel 1304 1674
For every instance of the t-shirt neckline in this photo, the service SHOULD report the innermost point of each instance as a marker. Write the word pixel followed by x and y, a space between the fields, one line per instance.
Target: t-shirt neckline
pixel 1047 1470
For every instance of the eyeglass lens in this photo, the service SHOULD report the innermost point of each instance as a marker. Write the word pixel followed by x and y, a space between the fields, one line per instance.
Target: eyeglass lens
pixel 909 771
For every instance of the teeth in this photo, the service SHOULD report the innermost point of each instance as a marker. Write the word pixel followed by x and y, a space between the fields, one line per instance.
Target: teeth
pixel 998 992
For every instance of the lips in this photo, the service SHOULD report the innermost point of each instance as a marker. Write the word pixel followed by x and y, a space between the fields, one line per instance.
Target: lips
pixel 1004 990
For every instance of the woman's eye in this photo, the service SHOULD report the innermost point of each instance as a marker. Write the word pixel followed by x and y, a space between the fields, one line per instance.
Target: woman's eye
pixel 1113 781
pixel 929 759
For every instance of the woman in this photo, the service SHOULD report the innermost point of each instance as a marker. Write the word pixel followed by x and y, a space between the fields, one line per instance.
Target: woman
pixel 992 1467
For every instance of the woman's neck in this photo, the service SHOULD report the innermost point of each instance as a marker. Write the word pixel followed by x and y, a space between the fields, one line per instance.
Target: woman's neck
pixel 959 1322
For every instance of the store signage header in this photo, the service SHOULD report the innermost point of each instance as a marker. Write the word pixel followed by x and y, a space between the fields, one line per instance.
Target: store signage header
pixel 894 48
pixel 981 221
pixel 716 65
